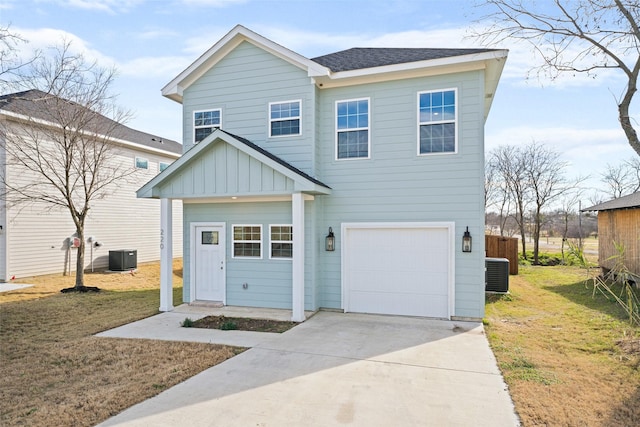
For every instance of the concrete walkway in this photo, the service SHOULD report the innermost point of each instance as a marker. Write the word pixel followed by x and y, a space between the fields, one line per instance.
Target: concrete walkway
pixel 335 369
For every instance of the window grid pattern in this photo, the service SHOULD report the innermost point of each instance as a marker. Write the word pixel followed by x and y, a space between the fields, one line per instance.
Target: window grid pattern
pixel 281 241
pixel 437 116
pixel 204 122
pixel 247 241
pixel 284 118
pixel 352 123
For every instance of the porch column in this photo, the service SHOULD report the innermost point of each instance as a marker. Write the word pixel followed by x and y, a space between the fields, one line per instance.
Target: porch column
pixel 297 295
pixel 166 255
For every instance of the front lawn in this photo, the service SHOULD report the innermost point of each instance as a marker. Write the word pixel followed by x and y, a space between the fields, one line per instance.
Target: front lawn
pixel 568 358
pixel 53 371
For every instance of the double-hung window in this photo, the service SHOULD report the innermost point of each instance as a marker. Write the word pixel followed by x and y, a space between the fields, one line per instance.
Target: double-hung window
pixel 284 118
pixel 247 241
pixel 352 129
pixel 204 122
pixel 281 237
pixel 437 115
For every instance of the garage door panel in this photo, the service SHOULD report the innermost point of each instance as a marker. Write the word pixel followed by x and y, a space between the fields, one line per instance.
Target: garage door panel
pixel 402 271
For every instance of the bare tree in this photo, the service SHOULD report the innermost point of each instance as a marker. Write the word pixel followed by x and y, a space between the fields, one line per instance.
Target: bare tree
pixel 567 208
pixel 497 194
pixel 10 61
pixel 576 36
pixel 511 169
pixel 60 141
pixel 622 179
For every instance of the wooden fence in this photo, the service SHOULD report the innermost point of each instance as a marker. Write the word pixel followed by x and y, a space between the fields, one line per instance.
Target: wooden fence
pixel 503 247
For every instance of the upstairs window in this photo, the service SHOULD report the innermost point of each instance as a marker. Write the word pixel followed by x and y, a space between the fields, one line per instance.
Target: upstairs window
pixel 142 163
pixel 281 241
pixel 204 122
pixel 352 129
pixel 247 241
pixel 163 165
pixel 284 118
pixel 437 122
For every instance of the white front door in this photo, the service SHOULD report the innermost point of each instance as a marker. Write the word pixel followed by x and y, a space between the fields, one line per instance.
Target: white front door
pixel 210 265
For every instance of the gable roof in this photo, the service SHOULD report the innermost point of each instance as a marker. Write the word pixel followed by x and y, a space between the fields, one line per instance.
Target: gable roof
pixel 359 58
pixel 625 202
pixel 31 104
pixel 302 181
pixel 353 66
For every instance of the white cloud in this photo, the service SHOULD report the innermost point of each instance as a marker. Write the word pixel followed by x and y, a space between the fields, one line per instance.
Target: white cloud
pixel 164 67
pixel 109 6
pixel 213 3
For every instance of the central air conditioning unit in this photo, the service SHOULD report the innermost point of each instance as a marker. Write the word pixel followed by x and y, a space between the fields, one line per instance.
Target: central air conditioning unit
pixel 123 260
pixel 496 275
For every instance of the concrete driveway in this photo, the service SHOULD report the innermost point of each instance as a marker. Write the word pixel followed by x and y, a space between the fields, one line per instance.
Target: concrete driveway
pixel 344 369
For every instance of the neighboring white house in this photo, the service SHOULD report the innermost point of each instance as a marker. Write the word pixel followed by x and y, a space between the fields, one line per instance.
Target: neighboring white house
pixel 347 181
pixel 35 239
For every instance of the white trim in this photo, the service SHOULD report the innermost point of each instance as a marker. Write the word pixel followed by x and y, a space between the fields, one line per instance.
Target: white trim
pixel 160 169
pixel 116 141
pixel 455 121
pixel 166 255
pixel 280 241
pixel 299 117
pixel 175 88
pixel 192 254
pixel 449 225
pixel 193 122
pixel 297 267
pixel 245 199
pixel 368 128
pixel 233 240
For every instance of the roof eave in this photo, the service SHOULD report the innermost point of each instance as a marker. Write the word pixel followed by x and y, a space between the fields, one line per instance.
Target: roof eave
pixel 175 88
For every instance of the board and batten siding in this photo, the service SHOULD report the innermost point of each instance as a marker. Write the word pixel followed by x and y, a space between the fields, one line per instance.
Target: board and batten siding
pixel 37 236
pixel 242 85
pixel 397 185
pixel 268 280
pixel 223 170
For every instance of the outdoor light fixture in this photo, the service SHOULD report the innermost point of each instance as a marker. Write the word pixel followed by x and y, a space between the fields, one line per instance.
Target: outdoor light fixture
pixel 466 241
pixel 330 241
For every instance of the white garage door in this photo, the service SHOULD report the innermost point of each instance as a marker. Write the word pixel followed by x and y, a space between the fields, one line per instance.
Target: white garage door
pixel 397 270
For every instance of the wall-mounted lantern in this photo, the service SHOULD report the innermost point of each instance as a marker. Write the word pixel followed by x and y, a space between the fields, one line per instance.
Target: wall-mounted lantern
pixel 466 241
pixel 330 241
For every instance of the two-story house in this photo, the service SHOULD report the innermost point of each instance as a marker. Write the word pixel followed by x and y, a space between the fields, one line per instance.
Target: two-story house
pixel 347 181
pixel 36 237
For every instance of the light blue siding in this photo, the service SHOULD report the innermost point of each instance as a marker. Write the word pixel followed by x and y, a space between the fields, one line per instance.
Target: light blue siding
pixel 268 280
pixel 397 185
pixel 223 170
pixel 243 84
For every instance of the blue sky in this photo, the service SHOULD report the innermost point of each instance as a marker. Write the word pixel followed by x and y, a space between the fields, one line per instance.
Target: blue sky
pixel 151 41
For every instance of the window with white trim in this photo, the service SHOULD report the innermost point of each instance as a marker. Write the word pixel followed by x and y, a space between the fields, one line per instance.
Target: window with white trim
pixel 247 241
pixel 352 129
pixel 437 115
pixel 142 163
pixel 163 165
pixel 284 118
pixel 204 122
pixel 281 239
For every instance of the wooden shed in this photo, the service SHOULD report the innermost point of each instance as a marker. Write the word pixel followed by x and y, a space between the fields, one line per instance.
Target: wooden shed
pixel 619 222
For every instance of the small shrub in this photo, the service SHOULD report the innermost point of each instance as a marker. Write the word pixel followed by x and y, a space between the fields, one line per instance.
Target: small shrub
pixel 229 326
pixel 187 323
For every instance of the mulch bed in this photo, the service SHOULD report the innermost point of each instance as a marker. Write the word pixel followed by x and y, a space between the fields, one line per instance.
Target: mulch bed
pixel 243 324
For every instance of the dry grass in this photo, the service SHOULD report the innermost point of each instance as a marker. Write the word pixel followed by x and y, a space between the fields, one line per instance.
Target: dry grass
pixel 53 368
pixel 569 359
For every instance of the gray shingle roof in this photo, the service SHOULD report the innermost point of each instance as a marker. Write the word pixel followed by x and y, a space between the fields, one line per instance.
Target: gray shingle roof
pixel 624 202
pixel 358 58
pixel 29 103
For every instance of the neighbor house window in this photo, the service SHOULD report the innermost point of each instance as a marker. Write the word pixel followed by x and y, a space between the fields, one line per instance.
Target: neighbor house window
pixel 163 166
pixel 284 118
pixel 281 237
pixel 352 129
pixel 204 122
pixel 437 122
pixel 247 241
pixel 142 163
